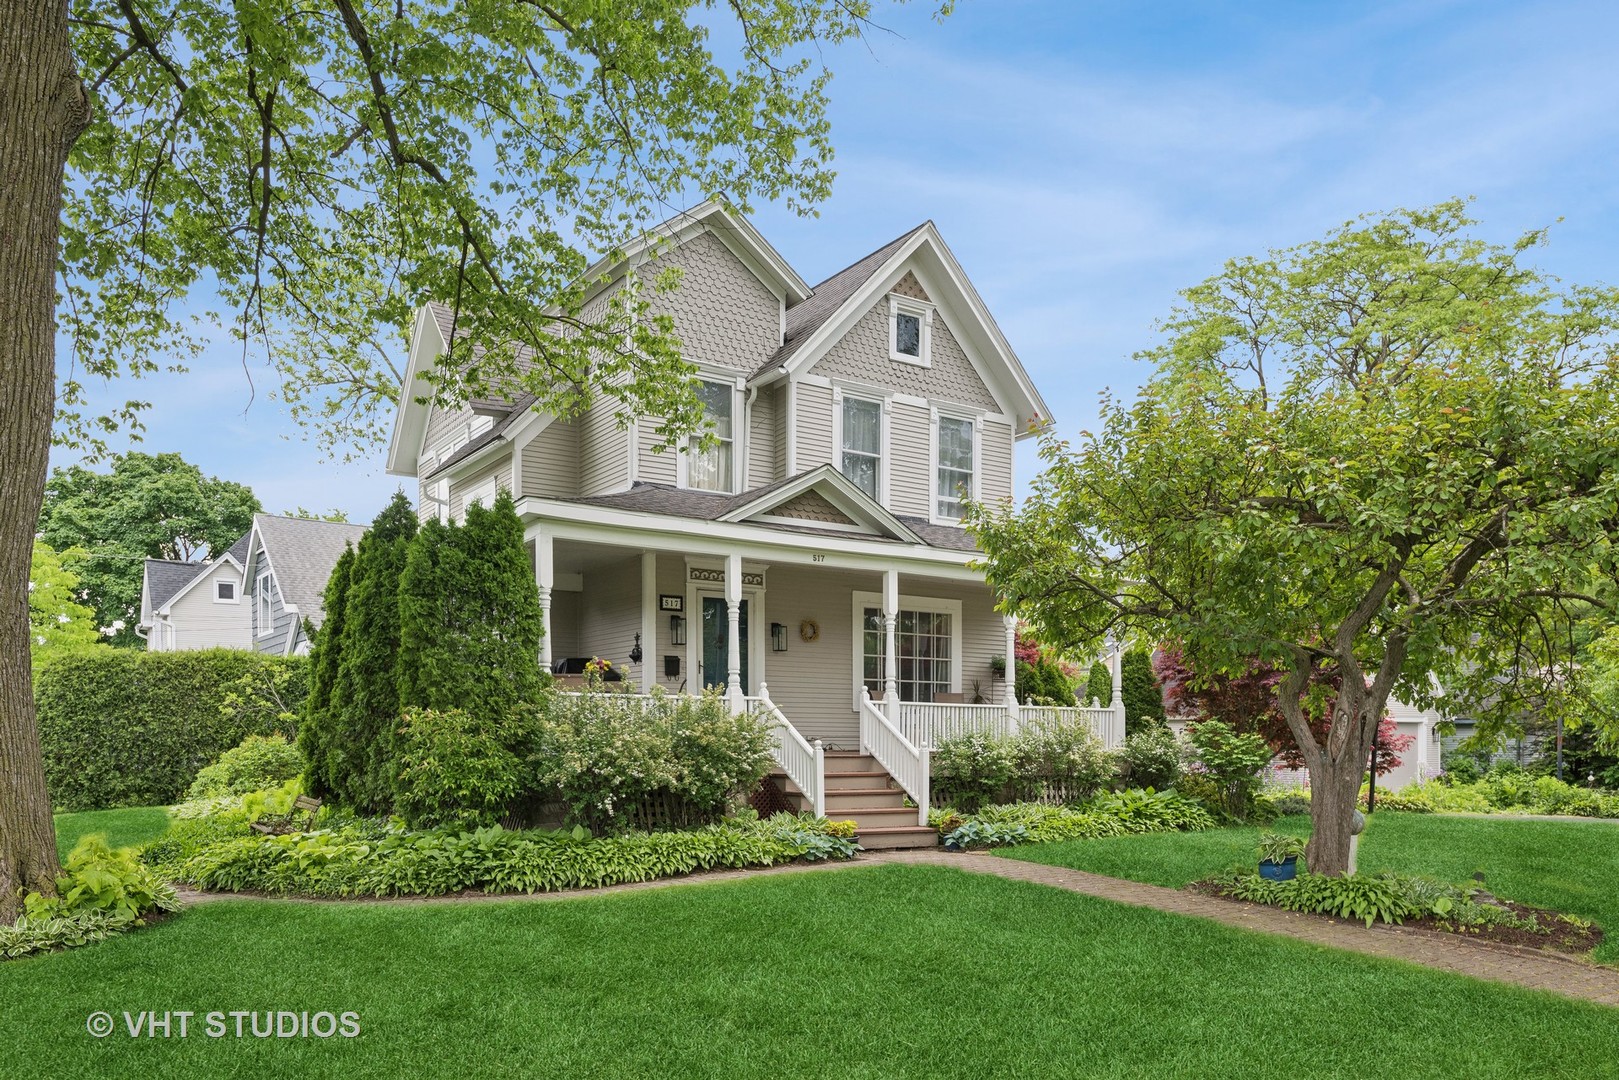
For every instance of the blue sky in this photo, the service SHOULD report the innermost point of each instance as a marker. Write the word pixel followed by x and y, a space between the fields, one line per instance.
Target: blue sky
pixel 1086 161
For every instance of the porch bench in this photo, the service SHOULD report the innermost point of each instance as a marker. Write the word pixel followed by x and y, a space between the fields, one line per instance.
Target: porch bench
pixel 282 824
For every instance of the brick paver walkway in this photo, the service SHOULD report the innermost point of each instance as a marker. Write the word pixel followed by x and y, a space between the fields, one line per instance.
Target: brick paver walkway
pixel 1522 967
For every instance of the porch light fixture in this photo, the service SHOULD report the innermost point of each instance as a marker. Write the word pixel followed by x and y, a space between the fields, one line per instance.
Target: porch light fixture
pixel 635 650
pixel 677 629
pixel 778 637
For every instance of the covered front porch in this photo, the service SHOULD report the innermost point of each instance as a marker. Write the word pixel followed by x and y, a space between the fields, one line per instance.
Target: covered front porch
pixel 843 649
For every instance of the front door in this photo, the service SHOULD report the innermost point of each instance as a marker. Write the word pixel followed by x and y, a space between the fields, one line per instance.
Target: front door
pixel 716 639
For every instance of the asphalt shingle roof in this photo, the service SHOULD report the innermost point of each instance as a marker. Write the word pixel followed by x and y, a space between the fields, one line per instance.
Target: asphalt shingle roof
pixel 709 506
pixel 165 577
pixel 303 553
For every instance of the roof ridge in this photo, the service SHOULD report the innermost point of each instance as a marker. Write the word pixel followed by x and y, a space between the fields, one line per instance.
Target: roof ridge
pixel 902 236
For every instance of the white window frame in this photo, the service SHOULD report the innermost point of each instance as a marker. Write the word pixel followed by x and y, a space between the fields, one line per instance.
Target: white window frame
pixel 236 591
pixel 738 438
pixel 905 305
pixel 485 494
pixel 263 608
pixel 936 605
pixel 933 460
pixel 439 492
pixel 885 403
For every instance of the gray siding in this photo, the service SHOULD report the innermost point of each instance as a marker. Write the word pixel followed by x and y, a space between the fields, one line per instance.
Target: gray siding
pixel 862 353
pixel 778 454
pixel 604 448
pixel 814 682
pixel 723 314
pixel 654 468
pixel 283 623
pixel 762 441
pixel 611 613
pixel 500 470
pixel 813 425
pixel 910 450
pixel 201 623
pixel 565 616
pixel 551 462
pixel 995 461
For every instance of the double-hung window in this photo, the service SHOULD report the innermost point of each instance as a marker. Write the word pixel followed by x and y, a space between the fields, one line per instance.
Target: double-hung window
pixel 262 595
pixel 925 646
pixel 862 443
pixel 954 467
pixel 712 469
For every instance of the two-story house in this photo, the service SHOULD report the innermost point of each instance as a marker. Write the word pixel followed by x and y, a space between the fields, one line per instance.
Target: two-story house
pixel 816 554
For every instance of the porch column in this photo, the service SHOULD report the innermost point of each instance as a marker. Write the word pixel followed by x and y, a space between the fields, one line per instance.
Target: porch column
pixel 1118 694
pixel 1009 685
pixel 733 641
pixel 649 619
pixel 890 643
pixel 544 576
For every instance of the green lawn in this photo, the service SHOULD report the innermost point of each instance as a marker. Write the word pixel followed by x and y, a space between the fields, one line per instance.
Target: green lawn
pixel 135 825
pixel 868 972
pixel 1570 866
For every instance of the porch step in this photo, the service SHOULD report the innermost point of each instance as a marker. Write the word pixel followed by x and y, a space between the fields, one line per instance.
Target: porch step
pixel 887 838
pixel 840 800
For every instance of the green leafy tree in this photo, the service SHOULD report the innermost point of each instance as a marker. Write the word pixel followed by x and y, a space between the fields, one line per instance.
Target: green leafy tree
pixel 364 707
pixel 57 622
pixel 312 174
pixel 469 616
pixel 1384 457
pixel 324 652
pixel 146 506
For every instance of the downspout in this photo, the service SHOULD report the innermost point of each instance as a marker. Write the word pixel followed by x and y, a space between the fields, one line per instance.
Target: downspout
pixel 747 435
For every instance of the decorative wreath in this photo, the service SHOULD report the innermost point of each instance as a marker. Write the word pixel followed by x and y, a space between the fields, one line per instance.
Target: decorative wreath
pixel 809 630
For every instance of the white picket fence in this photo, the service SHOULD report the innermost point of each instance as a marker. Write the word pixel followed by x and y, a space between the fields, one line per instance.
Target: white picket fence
pixel 927 724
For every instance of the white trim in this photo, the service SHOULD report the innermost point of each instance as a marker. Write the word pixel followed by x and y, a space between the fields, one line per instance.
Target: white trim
pixel 649 621
pixel 484 494
pixel 935 413
pixel 935 604
pixel 885 407
pixel 738 464
pixel 790 399
pixel 411 414
pixel 753 594
pixel 235 588
pixel 923 311
pixel 665 532
pixel 203 574
pixel 263 605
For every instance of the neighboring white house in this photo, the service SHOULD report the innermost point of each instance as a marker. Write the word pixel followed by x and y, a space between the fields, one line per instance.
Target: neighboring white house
pixel 195 605
pixel 816 555
pixel 287 564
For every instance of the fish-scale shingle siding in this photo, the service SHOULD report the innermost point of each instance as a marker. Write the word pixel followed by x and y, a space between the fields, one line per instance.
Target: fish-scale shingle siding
pixel 723 314
pixel 862 354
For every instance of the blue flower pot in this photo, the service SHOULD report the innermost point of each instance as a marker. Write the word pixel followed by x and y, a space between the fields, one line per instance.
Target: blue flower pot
pixel 1286 870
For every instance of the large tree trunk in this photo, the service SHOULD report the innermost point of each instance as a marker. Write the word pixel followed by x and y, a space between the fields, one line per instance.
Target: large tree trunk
pixel 43 109
pixel 1336 776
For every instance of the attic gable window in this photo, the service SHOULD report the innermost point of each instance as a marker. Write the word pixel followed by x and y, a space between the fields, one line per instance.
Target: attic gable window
pixel 910 330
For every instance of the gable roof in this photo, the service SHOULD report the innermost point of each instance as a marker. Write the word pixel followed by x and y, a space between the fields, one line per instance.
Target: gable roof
pixel 750 506
pixel 302 553
pixel 166 577
pixel 851 292
pixel 434 327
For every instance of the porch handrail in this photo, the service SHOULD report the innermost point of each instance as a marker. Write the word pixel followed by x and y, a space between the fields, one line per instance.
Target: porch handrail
pixel 1107 722
pixel 928 723
pixel 803 762
pixel 905 762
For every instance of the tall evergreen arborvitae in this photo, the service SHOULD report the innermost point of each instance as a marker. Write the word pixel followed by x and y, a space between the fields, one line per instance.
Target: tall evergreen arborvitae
pixel 1098 685
pixel 365 702
pixel 1142 692
pixel 469 614
pixel 315 726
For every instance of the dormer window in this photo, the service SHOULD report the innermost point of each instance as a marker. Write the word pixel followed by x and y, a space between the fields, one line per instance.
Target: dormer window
pixel 910 330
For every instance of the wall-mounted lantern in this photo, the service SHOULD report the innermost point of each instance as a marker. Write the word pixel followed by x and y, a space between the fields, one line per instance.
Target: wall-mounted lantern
pixel 677 629
pixel 778 637
pixel 635 650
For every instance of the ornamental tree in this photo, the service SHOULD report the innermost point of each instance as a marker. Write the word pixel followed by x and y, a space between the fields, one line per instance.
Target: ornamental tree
pixel 57 621
pixel 1389 457
pixel 308 174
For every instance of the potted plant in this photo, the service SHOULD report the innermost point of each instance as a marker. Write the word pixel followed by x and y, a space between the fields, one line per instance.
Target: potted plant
pixel 997 666
pixel 1279 856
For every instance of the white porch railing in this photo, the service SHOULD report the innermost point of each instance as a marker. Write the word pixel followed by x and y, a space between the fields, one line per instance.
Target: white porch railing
pixel 927 724
pixel 803 762
pixel 907 764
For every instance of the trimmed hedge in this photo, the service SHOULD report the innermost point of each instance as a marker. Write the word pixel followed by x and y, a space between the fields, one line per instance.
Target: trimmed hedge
pixel 120 727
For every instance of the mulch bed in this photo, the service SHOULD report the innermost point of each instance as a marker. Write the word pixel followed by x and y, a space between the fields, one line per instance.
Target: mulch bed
pixel 1554 936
